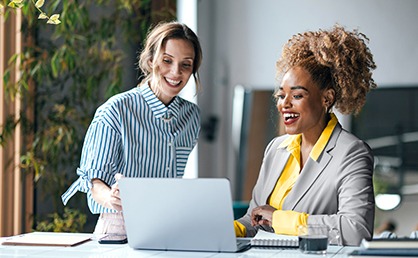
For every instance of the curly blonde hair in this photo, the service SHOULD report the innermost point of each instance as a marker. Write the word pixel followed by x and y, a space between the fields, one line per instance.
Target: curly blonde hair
pixel 337 59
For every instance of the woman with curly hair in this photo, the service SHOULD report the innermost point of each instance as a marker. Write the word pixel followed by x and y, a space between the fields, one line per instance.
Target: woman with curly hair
pixel 318 173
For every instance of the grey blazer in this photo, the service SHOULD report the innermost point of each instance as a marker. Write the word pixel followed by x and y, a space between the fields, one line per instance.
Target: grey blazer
pixel 336 190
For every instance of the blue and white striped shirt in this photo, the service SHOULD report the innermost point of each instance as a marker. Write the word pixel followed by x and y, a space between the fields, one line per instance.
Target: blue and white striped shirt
pixel 135 134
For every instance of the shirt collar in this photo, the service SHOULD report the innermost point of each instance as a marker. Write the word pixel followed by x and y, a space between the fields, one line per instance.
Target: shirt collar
pixel 293 141
pixel 157 106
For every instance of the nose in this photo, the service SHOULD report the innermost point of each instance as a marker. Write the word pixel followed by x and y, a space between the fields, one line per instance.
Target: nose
pixel 176 69
pixel 284 102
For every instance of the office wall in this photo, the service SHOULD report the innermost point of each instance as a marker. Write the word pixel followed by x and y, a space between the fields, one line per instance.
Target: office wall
pixel 243 38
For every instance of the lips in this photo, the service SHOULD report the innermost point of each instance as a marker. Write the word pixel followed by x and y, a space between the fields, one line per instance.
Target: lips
pixel 290 118
pixel 172 82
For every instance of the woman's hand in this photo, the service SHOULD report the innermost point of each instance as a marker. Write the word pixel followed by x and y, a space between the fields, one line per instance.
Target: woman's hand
pixel 262 215
pixel 114 197
pixel 108 197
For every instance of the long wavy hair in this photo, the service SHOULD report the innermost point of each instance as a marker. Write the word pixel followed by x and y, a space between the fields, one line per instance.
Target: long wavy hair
pixel 155 41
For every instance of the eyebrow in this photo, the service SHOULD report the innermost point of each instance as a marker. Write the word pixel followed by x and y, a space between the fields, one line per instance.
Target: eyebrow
pixel 173 56
pixel 297 87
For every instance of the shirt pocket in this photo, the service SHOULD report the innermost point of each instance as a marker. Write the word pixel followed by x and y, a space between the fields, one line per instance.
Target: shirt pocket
pixel 182 154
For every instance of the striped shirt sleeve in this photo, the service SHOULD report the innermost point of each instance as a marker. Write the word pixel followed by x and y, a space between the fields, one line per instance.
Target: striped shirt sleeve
pixel 136 135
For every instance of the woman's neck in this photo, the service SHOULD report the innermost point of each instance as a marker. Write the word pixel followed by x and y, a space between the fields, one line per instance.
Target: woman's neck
pixel 310 138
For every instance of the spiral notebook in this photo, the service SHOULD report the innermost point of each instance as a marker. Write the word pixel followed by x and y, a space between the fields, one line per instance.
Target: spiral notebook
pixel 267 239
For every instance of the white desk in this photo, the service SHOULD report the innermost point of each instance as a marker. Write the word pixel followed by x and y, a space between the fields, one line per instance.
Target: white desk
pixel 93 249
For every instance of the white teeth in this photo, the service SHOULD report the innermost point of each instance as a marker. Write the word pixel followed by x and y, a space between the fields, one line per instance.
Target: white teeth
pixel 172 82
pixel 290 115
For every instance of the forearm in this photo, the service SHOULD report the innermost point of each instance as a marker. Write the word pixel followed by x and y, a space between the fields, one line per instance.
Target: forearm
pixel 100 192
pixel 352 228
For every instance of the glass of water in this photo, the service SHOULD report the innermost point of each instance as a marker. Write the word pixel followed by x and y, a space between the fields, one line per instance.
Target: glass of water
pixel 314 238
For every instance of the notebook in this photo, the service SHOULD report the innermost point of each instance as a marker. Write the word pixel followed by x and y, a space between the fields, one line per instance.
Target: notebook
pixel 47 239
pixel 384 252
pixel 390 243
pixel 179 214
pixel 268 239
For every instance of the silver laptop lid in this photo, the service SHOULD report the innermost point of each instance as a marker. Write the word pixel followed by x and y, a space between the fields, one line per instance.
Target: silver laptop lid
pixel 178 214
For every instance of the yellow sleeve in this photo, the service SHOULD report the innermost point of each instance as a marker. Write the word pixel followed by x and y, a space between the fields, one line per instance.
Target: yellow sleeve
pixel 240 230
pixel 287 222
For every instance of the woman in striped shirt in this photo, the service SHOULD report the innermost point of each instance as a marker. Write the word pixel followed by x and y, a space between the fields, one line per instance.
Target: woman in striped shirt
pixel 147 131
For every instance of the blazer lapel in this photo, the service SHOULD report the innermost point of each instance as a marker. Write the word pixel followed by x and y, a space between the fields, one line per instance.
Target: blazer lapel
pixel 310 173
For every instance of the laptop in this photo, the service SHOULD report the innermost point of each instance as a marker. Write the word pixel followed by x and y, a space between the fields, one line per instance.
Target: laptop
pixel 179 214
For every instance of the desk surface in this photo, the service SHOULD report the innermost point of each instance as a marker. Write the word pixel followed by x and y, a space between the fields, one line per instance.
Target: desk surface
pixel 93 249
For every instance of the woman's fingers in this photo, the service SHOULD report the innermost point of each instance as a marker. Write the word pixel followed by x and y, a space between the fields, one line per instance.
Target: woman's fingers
pixel 262 215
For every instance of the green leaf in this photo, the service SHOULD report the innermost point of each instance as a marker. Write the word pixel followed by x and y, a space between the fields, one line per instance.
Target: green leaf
pixel 39 3
pixel 54 66
pixel 54 19
pixel 42 16
pixel 6 77
pixel 16 4
pixel 12 5
pixel 12 59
